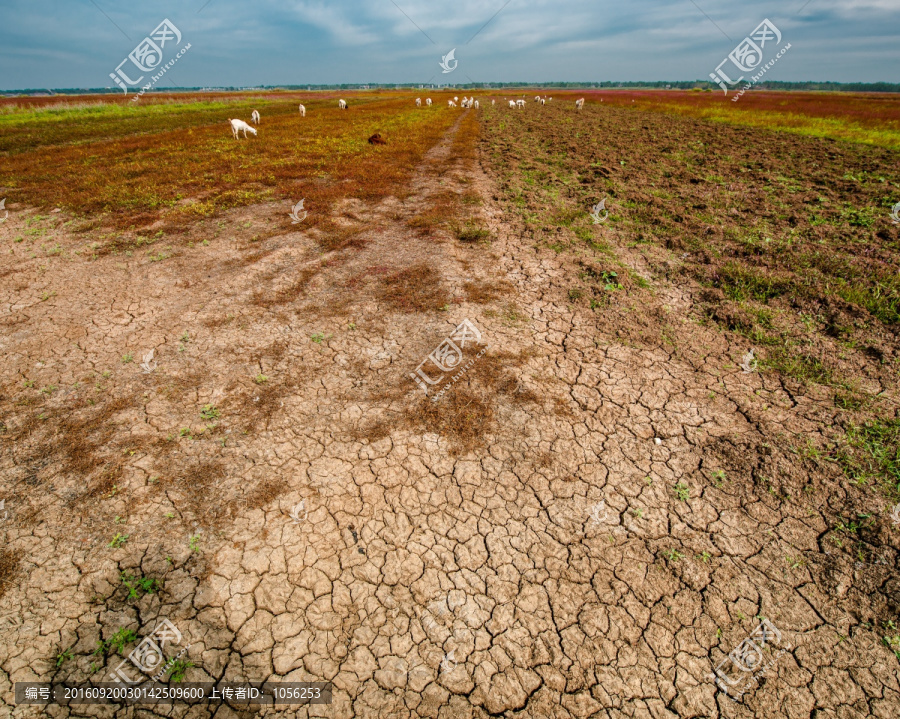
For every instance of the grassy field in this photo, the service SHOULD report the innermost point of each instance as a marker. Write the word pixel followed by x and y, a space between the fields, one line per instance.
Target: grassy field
pixel 175 161
pixel 789 239
pixel 872 119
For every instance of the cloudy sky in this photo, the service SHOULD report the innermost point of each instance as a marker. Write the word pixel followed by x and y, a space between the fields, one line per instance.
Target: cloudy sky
pixel 78 43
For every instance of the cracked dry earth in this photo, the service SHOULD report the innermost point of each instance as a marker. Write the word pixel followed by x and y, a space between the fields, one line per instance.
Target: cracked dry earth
pixel 544 541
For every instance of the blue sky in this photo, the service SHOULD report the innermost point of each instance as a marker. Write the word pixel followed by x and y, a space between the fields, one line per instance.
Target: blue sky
pixel 78 43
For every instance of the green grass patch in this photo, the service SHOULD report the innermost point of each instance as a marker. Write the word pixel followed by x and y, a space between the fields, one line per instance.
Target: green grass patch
pixel 873 453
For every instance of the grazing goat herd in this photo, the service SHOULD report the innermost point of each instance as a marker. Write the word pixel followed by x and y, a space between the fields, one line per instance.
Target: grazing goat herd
pixel 238 126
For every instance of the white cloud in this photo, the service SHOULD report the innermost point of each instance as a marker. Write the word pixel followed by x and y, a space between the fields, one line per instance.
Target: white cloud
pixel 334 21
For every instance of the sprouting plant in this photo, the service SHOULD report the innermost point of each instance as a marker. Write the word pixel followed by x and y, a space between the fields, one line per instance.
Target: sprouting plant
pixel 610 281
pixel 118 520
pixel 704 557
pixel 194 543
pixel 118 541
pixel 184 432
pixel 185 337
pixel 209 412
pixel 136 585
pixel 682 491
pixel 718 476
pixel 28 383
pixel 121 639
pixel 351 325
pixel 318 337
pixel 261 379
pixel 117 641
pixel 170 515
pixel 178 668
pixel 63 657
pixel 673 555
pixel 638 512
pixel 126 358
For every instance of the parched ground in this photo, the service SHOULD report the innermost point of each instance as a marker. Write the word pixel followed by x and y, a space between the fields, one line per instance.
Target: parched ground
pixel 588 521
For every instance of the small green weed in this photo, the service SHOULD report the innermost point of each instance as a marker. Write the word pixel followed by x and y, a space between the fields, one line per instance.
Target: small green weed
pixel 63 657
pixel 209 412
pixel 673 555
pixel 178 669
pixel 139 586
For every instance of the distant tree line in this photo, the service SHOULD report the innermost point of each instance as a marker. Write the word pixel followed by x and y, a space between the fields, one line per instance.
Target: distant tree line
pixel 607 84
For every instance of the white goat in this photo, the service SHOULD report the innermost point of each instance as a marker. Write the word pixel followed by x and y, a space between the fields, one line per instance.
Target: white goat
pixel 537 98
pixel 512 103
pixel 255 117
pixel 428 101
pixel 476 104
pixel 455 99
pixel 493 102
pixel 238 125
pixel 520 103
pixel 579 103
pixel 543 102
pixel 450 103
pixel 342 104
pixel 302 111
pixel 418 102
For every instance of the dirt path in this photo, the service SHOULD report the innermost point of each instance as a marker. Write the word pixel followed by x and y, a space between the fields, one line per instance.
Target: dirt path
pixel 540 542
